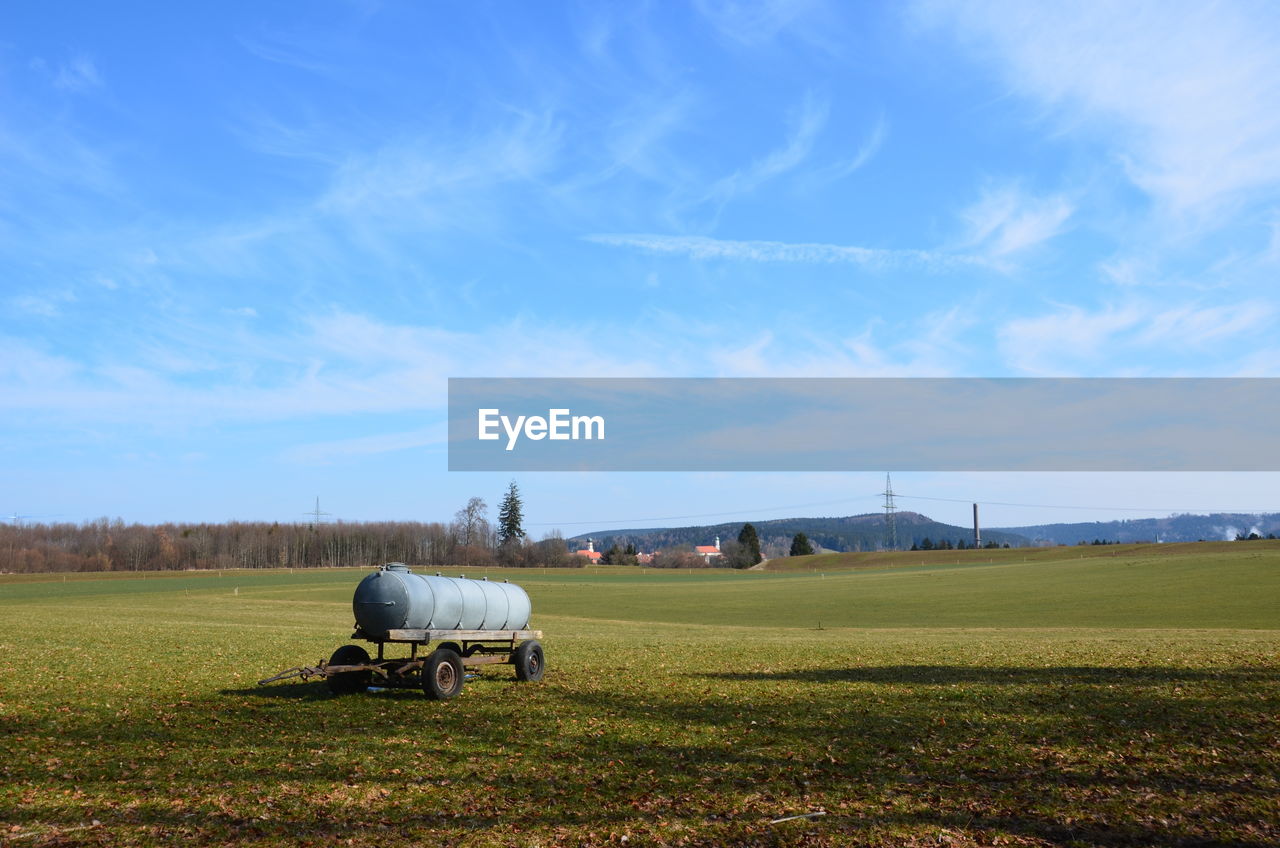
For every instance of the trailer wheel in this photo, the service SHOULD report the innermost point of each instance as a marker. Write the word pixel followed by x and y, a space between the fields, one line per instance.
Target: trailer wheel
pixel 442 674
pixel 347 682
pixel 528 660
pixel 451 646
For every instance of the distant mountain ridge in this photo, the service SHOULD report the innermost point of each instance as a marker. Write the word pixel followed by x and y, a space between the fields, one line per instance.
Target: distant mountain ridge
pixel 1218 526
pixel 848 533
pixel 866 532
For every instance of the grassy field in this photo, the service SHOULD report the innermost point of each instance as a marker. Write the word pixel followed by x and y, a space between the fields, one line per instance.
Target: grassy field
pixel 1129 697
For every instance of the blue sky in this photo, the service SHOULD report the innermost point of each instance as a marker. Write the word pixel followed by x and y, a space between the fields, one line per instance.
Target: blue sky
pixel 243 247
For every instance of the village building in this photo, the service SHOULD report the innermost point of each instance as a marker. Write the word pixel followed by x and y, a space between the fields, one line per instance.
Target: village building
pixel 709 552
pixel 590 552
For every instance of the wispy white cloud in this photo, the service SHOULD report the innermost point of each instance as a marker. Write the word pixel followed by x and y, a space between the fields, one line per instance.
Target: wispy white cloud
pixel 342 363
pixel 1006 221
pixel 281 49
pixel 1272 253
pixel 1074 341
pixel 1125 270
pixel 1186 94
pixel 25 366
pixel 1002 223
pixel 319 453
pixel 313 139
pixel 49 159
pixel 756 24
pixel 45 305
pixel 1067 336
pixel 933 346
pixel 809 122
pixel 1197 325
pixel 636 138
pixel 596 31
pixel 417 172
pixel 337 363
pixel 868 149
pixel 79 74
pixel 705 248
pixel 1264 362
pixel 371 200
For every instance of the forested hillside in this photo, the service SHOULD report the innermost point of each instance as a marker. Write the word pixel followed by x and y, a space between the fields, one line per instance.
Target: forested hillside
pixel 849 533
pixel 1220 526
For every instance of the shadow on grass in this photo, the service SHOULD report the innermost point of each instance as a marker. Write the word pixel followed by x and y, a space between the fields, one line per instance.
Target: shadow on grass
pixel 318 690
pixel 311 690
pixel 941 675
pixel 593 753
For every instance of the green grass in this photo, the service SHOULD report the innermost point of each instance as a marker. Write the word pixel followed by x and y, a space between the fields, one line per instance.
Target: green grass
pixel 1111 700
pixel 890 559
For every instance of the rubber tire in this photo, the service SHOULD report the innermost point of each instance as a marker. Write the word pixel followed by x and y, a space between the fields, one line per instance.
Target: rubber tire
pixel 452 646
pixel 529 661
pixel 442 675
pixel 349 682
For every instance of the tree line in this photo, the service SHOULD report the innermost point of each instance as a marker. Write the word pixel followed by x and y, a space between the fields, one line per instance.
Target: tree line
pixel 927 544
pixel 112 545
pixel 470 540
pixel 743 552
pixel 776 536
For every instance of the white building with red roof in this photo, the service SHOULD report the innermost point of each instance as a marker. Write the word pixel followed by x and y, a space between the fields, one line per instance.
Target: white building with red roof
pixel 590 552
pixel 708 552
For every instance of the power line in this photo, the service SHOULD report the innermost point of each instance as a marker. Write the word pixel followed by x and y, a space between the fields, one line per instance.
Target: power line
pixel 695 515
pixel 890 511
pixel 317 513
pixel 16 519
pixel 1100 508
pixel 886 494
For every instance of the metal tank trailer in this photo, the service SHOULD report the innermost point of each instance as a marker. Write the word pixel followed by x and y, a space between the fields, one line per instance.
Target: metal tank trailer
pixel 484 621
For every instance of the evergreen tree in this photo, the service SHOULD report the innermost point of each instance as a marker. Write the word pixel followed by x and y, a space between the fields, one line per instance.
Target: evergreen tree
pixel 511 516
pixel 751 542
pixel 800 545
pixel 618 555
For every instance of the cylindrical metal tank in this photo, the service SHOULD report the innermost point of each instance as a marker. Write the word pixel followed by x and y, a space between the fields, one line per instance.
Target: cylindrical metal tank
pixel 394 598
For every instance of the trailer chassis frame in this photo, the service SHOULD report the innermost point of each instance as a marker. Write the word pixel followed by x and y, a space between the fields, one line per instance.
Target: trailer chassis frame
pixel 475 648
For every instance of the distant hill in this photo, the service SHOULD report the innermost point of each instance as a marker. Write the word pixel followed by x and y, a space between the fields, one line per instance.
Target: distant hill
pixel 849 533
pixel 1220 526
pixel 866 532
